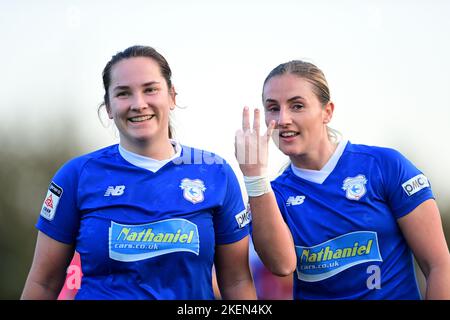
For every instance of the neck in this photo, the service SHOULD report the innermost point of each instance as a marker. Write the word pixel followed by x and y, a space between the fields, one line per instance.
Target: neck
pixel 315 159
pixel 158 150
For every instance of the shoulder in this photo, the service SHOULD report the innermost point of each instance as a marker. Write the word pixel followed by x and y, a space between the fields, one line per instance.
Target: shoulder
pixel 382 155
pixel 191 155
pixel 78 163
pixel 208 164
pixel 389 163
pixel 375 151
pixel 284 176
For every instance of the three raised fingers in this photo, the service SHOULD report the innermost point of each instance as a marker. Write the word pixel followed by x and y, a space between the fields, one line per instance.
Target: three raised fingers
pixel 256 122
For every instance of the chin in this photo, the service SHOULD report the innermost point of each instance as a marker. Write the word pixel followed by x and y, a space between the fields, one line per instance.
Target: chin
pixel 140 138
pixel 290 151
pixel 143 135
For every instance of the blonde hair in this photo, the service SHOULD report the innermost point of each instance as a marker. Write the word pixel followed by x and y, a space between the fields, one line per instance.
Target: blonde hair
pixel 313 75
pixel 316 77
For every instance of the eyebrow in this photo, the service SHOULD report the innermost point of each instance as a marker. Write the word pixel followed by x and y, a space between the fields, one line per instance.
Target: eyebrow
pixel 147 84
pixel 289 100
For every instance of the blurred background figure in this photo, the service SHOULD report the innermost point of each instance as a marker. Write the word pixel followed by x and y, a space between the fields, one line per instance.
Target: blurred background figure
pixel 269 286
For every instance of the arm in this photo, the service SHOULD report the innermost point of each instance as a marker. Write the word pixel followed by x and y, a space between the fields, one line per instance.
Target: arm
pixel 271 236
pixel 233 272
pixel 423 232
pixel 48 270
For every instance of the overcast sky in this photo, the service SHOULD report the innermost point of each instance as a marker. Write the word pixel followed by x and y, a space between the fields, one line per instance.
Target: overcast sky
pixel 387 64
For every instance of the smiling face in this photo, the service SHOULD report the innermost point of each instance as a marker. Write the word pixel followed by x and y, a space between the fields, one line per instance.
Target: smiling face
pixel 300 117
pixel 139 101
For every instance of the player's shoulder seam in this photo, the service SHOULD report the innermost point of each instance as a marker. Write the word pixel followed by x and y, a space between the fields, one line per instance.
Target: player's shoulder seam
pixel 375 152
pixel 106 152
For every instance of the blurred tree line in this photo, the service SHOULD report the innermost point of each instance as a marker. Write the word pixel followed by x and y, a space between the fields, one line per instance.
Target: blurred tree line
pixel 27 165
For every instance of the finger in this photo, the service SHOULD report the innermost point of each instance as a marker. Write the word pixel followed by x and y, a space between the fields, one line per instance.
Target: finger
pixel 245 119
pixel 256 120
pixel 239 146
pixel 270 129
pixel 252 149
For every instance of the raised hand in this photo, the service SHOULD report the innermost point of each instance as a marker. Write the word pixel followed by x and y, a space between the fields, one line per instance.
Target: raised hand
pixel 251 149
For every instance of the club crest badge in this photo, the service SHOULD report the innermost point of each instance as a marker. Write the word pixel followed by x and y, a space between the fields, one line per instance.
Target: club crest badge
pixel 193 190
pixel 355 187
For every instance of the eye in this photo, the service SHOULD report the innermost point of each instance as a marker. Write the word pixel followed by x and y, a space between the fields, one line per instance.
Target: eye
pixel 297 106
pixel 272 108
pixel 150 90
pixel 122 94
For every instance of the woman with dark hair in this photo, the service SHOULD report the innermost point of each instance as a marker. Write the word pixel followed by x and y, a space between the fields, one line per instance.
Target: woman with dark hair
pixel 148 220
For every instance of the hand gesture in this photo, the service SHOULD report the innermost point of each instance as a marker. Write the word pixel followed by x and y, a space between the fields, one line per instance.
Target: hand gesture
pixel 251 149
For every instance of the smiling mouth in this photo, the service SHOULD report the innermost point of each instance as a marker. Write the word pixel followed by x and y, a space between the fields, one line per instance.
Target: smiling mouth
pixel 288 134
pixel 141 118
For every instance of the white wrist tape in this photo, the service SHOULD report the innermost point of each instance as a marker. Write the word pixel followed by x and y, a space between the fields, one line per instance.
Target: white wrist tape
pixel 257 186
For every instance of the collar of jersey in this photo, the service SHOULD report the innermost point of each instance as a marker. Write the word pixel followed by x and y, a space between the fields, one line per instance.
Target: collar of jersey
pixel 319 176
pixel 146 162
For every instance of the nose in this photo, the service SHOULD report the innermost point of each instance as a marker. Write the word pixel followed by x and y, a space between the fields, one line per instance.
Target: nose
pixel 284 117
pixel 138 102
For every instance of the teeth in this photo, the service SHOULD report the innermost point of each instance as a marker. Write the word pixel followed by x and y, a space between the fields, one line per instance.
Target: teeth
pixel 141 118
pixel 288 134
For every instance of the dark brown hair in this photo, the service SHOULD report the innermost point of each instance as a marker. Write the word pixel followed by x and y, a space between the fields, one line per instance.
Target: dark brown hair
pixel 133 52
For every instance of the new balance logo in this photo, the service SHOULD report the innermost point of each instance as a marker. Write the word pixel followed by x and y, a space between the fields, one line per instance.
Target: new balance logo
pixel 295 201
pixel 114 191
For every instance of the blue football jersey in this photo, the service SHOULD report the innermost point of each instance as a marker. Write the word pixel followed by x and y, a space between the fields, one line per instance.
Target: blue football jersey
pixel 142 233
pixel 343 220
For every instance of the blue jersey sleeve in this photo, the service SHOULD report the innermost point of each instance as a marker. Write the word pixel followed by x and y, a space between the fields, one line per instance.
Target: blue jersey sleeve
pixel 59 217
pixel 231 221
pixel 405 186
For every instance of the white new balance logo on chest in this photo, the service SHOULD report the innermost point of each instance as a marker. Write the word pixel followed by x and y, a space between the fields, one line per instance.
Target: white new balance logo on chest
pixel 114 191
pixel 295 201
